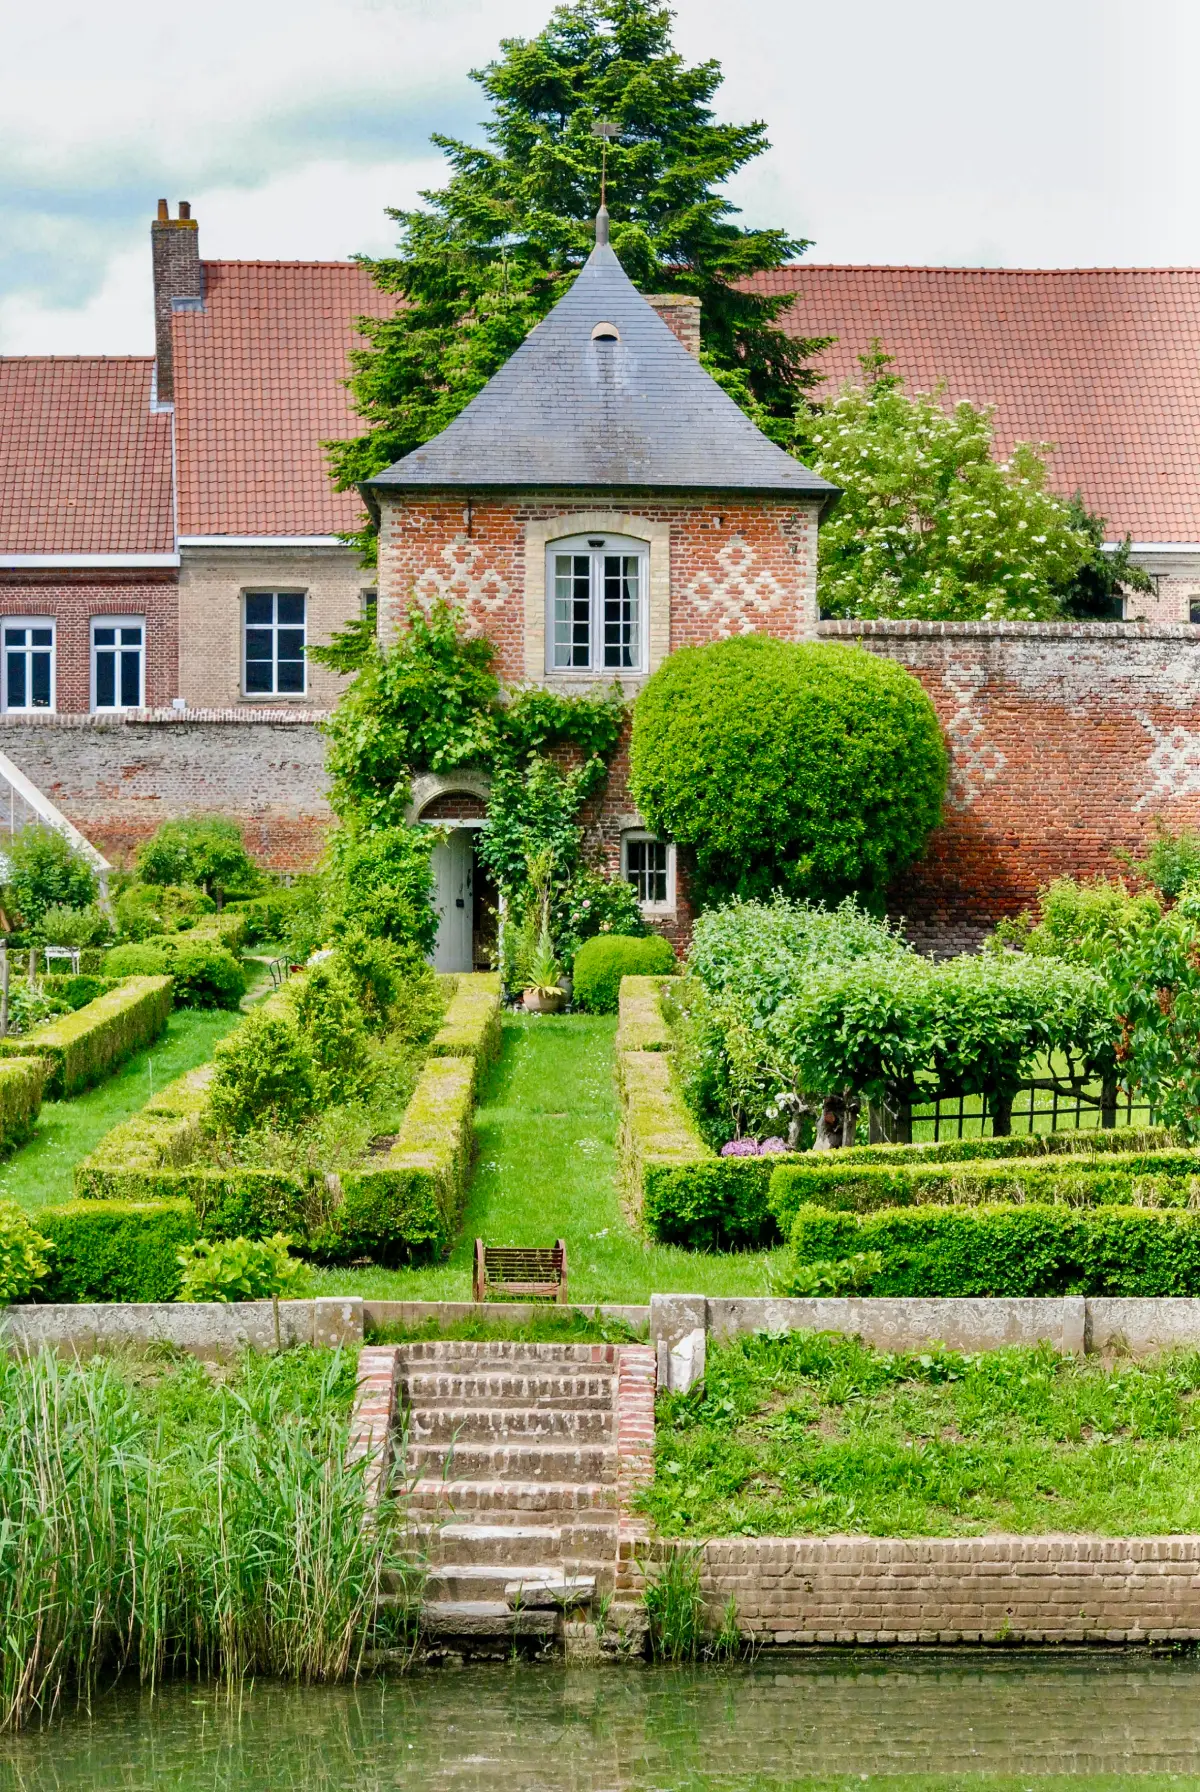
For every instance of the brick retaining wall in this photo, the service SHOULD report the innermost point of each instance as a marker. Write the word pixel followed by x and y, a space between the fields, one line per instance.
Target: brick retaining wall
pixel 935 1590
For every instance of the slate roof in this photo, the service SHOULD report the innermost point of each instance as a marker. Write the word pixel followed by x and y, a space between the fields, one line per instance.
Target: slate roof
pixel 85 465
pixel 259 385
pixel 1102 362
pixel 567 411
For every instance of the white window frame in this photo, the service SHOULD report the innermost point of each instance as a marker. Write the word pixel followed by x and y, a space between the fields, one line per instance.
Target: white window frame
pixel 274 592
pixel 50 622
pixel 118 622
pixel 596 545
pixel 642 836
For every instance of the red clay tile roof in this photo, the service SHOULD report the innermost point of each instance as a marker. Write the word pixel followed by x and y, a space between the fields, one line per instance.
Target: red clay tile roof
pixel 1104 363
pixel 85 465
pixel 258 387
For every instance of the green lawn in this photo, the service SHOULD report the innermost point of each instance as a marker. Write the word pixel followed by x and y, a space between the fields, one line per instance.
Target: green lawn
pixel 39 1174
pixel 813 1434
pixel 546 1168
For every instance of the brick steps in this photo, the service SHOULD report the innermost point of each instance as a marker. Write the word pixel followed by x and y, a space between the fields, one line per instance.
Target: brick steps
pixel 509 1461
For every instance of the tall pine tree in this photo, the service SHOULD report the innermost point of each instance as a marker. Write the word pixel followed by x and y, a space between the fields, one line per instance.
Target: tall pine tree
pixel 493 249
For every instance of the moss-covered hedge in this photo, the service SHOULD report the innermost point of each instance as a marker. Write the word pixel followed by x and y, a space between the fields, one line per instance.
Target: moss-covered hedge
pixel 410 1206
pixel 658 1136
pixel 84 1047
pixel 21 1083
pixel 471 1025
pixel 115 1250
pixel 641 1026
pixel 1007 1250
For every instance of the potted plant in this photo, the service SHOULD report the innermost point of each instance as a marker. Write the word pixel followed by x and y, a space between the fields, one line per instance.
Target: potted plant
pixel 544 993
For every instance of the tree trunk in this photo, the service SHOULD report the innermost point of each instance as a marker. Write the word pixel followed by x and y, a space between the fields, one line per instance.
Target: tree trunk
pixel 829 1126
pixel 1108 1101
pixel 850 1119
pixel 890 1122
pixel 1000 1105
pixel 33 967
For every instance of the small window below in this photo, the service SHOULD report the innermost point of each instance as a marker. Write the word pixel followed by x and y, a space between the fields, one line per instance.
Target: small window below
pixel 1194 610
pixel 606 333
pixel 597 589
pixel 274 643
pixel 118 662
pixel 649 865
pixel 370 608
pixel 28 664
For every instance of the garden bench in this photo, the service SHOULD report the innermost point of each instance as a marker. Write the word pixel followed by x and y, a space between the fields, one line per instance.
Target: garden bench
pixel 511 1272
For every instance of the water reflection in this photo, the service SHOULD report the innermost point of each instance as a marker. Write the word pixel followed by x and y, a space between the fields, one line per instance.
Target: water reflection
pixel 831 1721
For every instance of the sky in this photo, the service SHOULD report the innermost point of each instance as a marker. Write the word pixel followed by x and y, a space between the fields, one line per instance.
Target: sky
pixel 1033 133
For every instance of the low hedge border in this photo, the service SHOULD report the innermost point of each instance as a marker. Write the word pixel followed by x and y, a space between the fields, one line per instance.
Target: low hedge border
pixel 981 1252
pixel 1151 1178
pixel 641 1025
pixel 471 1025
pixel 21 1083
pixel 114 1250
pixel 85 1047
pixel 1102 1140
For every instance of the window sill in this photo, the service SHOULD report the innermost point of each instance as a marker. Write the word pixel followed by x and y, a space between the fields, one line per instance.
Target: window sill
pixel 291 699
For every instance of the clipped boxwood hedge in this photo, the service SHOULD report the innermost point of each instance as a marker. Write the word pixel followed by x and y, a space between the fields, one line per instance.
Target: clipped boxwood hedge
pixel 114 1250
pixel 606 958
pixel 21 1084
pixel 1103 1140
pixel 409 1207
pixel 1169 1178
pixel 1016 1251
pixel 641 1026
pixel 471 1025
pixel 84 1047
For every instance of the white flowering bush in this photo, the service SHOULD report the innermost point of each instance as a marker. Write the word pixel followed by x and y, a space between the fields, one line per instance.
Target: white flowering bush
pixel 931 525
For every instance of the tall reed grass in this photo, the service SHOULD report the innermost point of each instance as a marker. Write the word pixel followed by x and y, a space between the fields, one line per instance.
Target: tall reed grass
pixel 160 1522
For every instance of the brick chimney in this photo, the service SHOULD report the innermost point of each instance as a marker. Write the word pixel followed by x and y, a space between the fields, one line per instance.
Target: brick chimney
pixel 175 251
pixel 681 314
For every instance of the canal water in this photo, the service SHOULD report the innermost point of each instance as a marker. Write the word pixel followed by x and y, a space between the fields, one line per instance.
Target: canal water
pixel 991 1721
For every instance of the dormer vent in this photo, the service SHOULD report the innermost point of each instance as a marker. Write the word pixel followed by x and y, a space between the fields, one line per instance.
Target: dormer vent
pixel 606 333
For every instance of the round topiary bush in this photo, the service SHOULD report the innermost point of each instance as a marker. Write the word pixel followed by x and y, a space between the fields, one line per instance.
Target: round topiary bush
pixel 818 770
pixel 602 961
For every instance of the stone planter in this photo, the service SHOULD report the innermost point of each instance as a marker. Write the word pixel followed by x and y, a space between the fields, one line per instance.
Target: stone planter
pixel 544 1001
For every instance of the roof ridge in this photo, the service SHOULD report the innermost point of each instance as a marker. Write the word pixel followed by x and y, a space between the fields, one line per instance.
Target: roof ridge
pixel 61 360
pixel 916 267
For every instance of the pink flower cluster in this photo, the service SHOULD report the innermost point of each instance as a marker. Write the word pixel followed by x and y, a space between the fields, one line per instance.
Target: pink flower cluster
pixel 752 1148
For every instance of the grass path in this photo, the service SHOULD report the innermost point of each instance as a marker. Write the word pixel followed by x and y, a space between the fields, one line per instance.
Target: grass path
pixel 39 1174
pixel 546 1168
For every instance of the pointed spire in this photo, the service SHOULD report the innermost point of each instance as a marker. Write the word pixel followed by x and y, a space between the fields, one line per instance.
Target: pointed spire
pixel 602 226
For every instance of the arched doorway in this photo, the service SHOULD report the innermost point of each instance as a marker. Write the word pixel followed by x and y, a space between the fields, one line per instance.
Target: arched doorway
pixel 464 896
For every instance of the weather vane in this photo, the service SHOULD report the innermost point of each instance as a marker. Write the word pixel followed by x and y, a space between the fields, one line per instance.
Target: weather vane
pixel 604 128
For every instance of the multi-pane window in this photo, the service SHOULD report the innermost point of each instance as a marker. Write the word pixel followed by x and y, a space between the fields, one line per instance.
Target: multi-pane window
pixel 649 865
pixel 28 664
pixel 369 601
pixel 118 662
pixel 274 643
pixel 597 604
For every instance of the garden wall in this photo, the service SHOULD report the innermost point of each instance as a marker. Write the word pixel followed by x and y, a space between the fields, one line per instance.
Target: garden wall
pixel 998 1589
pixel 117 780
pixel 1066 740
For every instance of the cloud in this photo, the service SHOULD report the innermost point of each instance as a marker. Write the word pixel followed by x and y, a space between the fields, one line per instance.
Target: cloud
pixel 935 132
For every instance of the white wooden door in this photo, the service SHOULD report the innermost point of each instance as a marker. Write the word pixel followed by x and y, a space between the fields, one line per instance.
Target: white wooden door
pixel 454 899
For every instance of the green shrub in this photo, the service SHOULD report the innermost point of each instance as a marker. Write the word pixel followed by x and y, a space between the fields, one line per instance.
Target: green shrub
pixel 77 990
pixel 204 850
pixel 382 973
pixel 115 1250
pixel 715 1204
pixel 380 880
pixel 149 958
pixel 1101 1141
pixel 602 961
pixel 146 909
pixel 1014 1251
pixel 206 974
pixel 44 871
pixel 330 1018
pixel 264 1072
pixel 86 1046
pixel 849 1275
pixel 77 927
pixel 23 1254
pixel 240 1269
pixel 268 916
pixel 816 769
